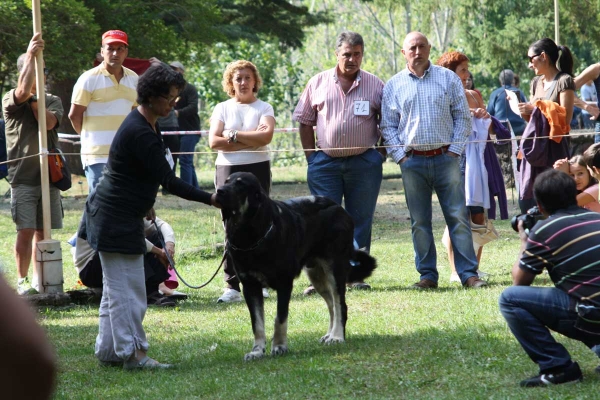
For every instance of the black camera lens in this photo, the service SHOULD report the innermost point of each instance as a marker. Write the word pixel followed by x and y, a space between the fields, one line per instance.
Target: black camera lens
pixel 529 219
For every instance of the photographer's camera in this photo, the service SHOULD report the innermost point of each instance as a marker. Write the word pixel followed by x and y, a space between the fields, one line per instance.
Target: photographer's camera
pixel 530 218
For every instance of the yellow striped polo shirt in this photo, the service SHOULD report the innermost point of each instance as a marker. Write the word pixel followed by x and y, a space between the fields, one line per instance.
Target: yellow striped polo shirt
pixel 108 102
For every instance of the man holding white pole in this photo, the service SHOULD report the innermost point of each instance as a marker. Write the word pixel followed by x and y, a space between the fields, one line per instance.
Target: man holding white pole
pixel 20 110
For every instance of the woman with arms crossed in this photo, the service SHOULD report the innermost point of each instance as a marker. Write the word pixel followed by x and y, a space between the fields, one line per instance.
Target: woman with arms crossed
pixel 241 129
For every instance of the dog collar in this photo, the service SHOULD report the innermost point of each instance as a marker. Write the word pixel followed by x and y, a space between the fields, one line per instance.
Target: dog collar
pixel 234 247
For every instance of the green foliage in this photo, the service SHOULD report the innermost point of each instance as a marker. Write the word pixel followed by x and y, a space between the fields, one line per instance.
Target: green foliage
pixel 281 20
pixel 68 29
pixel 497 34
pixel 280 75
pixel 162 28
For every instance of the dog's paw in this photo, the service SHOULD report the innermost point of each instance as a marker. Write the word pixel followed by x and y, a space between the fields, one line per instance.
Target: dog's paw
pixel 279 350
pixel 255 354
pixel 329 339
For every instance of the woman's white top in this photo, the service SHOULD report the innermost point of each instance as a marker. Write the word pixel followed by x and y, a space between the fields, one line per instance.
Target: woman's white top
pixel 242 117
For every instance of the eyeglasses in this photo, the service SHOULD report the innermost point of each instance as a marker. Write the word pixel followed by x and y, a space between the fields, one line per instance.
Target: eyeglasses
pixel 169 99
pixel 534 56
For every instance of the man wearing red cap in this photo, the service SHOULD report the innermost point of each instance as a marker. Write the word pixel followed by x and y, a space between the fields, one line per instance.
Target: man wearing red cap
pixel 102 98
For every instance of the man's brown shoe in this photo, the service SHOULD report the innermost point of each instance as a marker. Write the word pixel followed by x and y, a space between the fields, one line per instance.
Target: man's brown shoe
pixel 425 284
pixel 475 283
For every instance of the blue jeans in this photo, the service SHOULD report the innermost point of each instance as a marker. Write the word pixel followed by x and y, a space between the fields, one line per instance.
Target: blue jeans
pixel 421 176
pixel 597 131
pixel 187 172
pixel 531 312
pixel 93 173
pixel 356 179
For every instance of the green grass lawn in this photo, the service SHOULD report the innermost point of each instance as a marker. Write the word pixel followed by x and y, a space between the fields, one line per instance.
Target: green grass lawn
pixel 450 343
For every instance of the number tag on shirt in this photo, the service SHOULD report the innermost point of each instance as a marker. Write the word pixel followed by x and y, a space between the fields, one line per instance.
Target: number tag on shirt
pixel 361 107
pixel 169 158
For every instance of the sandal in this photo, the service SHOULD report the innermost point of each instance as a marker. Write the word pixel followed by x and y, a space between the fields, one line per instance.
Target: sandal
pixel 177 296
pixel 158 300
pixel 145 363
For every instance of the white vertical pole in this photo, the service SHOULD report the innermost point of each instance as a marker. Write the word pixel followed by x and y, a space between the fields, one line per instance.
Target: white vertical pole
pixel 43 136
pixel 556 24
pixel 48 255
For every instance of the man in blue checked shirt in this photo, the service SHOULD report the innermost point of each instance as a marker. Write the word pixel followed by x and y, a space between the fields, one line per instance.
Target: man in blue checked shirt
pixel 426 121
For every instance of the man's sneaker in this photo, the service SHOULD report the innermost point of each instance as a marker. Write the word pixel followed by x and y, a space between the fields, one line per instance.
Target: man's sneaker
pixel 475 283
pixel 425 284
pixel 24 288
pixel 230 296
pixel 265 293
pixel 572 373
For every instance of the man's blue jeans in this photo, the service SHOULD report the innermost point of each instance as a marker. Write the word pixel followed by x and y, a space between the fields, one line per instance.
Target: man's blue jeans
pixel 357 179
pixel 421 176
pixel 531 312
pixel 597 132
pixel 93 173
pixel 187 172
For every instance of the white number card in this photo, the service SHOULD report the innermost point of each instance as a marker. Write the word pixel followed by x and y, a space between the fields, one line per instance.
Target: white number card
pixel 169 157
pixel 361 107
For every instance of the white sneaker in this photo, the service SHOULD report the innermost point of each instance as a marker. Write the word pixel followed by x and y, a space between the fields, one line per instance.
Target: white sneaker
pixel 454 277
pixel 265 293
pixel 230 296
pixel 24 288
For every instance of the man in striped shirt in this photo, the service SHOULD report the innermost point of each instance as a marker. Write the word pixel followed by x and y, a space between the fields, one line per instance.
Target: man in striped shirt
pixel 426 122
pixel 567 245
pixel 344 103
pixel 102 98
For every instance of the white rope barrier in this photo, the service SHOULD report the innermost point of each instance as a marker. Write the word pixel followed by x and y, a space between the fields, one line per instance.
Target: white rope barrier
pixel 293 130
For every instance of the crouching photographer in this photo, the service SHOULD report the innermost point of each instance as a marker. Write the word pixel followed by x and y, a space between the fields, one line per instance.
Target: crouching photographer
pixel 566 243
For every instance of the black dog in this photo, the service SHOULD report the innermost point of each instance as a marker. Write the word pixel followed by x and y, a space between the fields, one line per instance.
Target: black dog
pixel 269 243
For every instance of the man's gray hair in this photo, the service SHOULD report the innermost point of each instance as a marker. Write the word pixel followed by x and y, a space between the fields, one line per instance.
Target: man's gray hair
pixel 21 62
pixel 352 38
pixel 507 77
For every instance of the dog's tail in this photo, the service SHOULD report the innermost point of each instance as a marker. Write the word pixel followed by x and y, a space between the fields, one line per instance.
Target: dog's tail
pixel 362 266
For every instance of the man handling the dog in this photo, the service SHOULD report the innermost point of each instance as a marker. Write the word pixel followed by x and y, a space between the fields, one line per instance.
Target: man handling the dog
pixel 425 123
pixel 566 244
pixel 344 103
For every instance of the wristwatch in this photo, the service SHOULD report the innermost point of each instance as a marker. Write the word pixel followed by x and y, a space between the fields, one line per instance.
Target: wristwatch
pixel 232 136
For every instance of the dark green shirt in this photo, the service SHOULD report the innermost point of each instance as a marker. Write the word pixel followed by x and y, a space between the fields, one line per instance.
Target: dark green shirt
pixel 22 138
